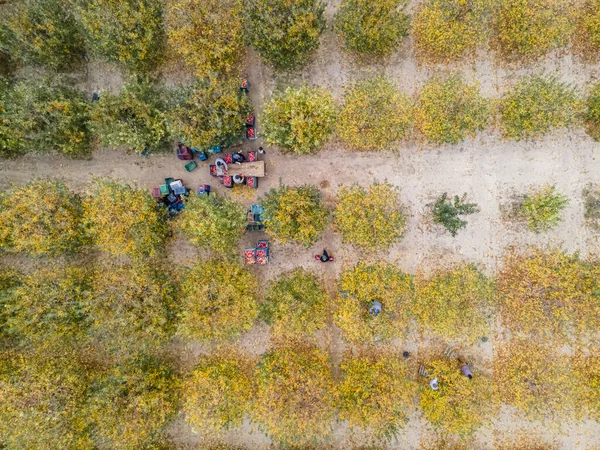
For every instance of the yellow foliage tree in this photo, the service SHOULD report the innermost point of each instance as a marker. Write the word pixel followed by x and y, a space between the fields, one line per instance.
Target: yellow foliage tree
pixel 295 304
pixel 460 405
pixel 358 288
pixel 587 373
pixel 294 214
pixel 526 30
pixel 42 392
pixel 376 392
pixel 454 304
pixel 295 396
pixel 125 221
pixel 43 217
pixel 375 115
pixel 207 33
pixel 447 30
pixel 219 301
pixel 587 32
pixel 370 218
pixel 213 222
pixel 219 392
pixel 534 379
pixel 130 404
pixel 550 294
pixel 134 308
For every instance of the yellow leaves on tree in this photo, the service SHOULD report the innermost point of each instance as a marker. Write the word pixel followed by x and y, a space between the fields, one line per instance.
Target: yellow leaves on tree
pixel 454 304
pixel 587 33
pixel 130 32
pixel 295 305
pixel 125 221
pixel 131 403
pixel 587 374
pixel 134 308
pixel 295 396
pixel 300 120
pixel 359 287
pixel 549 294
pixel 294 214
pixel 207 33
pixel 449 110
pixel 219 301
pixel 219 392
pixel 446 30
pixel 213 222
pixel 43 217
pixel 460 405
pixel 533 378
pixel 372 218
pixel 375 115
pixel 376 392
pixel 526 30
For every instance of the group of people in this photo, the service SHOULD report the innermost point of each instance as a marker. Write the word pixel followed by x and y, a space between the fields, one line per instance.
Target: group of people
pixel 464 369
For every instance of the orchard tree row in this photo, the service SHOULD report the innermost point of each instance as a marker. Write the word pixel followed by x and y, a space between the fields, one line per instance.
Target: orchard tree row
pixel 83 359
pixel 47 114
pixel 211 35
pixel 45 217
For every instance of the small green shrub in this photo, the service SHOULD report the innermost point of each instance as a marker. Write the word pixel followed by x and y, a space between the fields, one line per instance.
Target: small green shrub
pixel 372 27
pixel 218 301
pixel 43 115
pixel 213 222
pixel 294 214
pixel 284 32
pixel 535 106
pixel 300 120
pixel 296 304
pixel 526 30
pixel 450 110
pixel 207 33
pixel 447 212
pixel 587 32
pixel 358 287
pixel 43 32
pixel 43 217
pixel 447 30
pixel 542 208
pixel 212 112
pixel 135 118
pixel 219 392
pixel 130 32
pixel 375 115
pixel 371 219
pixel 591 203
pixel 592 112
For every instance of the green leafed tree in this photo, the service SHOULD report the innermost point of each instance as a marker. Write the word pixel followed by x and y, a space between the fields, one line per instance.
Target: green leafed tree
pixel 448 212
pixel 294 214
pixel 135 118
pixel 218 301
pixel 216 223
pixel 284 32
pixel 300 120
pixel 372 27
pixel 43 115
pixel 212 112
pixel 43 32
pixel 130 32
pixel 43 217
pixel 295 304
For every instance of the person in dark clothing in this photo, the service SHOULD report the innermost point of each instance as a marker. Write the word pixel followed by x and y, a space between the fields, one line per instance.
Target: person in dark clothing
pixel 324 257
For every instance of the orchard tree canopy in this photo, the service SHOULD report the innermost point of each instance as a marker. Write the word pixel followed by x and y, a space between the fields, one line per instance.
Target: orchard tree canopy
pixel 207 33
pixel 284 32
pixel 130 32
